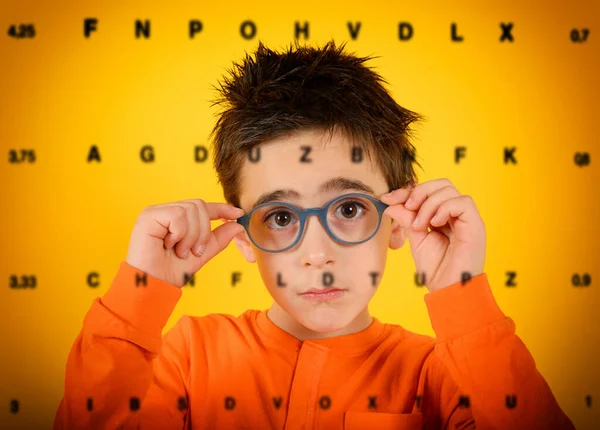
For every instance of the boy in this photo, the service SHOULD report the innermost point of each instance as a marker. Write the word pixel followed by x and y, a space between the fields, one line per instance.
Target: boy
pixel 316 359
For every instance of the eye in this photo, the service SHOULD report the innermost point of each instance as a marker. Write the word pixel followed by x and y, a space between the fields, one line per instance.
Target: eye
pixel 352 210
pixel 281 217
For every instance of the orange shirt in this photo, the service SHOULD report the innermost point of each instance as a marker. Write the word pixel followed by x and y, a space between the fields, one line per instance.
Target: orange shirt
pixel 219 371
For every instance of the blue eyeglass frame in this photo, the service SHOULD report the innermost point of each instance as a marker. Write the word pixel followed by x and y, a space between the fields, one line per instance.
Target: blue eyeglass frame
pixel 321 212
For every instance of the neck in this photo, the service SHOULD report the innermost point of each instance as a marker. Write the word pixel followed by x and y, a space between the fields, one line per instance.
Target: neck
pixel 289 324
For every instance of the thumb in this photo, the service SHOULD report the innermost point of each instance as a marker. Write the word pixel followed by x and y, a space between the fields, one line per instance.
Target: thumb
pixel 218 240
pixel 405 218
pixel 221 236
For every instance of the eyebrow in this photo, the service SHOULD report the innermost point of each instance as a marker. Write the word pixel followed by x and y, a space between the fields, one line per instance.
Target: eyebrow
pixel 334 184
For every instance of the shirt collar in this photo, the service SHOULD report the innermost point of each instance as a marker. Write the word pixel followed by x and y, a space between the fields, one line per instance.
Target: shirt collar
pixel 354 343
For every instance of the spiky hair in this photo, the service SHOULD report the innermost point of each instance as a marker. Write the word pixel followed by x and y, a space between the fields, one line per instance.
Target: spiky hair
pixel 275 94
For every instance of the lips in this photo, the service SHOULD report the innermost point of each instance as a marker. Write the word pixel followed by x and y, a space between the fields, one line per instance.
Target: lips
pixel 322 290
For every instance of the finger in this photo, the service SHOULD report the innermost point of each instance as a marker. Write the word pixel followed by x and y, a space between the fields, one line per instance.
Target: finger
pixel 205 232
pixel 430 206
pixel 444 229
pixel 397 196
pixel 226 213
pixel 422 191
pixel 461 213
pixel 224 210
pixel 206 213
pixel 405 218
pixel 198 227
pixel 173 219
pixel 182 249
pixel 220 238
pixel 215 210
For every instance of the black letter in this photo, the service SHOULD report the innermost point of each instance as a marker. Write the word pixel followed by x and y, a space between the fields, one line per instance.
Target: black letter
pixel 372 403
pixel 455 37
pixel 195 27
pixel 464 277
pixel 374 276
pixel 401 27
pixel 89 279
pixel 189 277
pixel 420 281
pixel 147 154
pixel 301 30
pixel 509 281
pixel 257 158
pixel 279 282
pixel 506 31
pixel 141 279
pixel 357 154
pixel 307 150
pixel 181 403
pixel 511 401
pixel 14 406
pixel 229 402
pixel 252 30
pixel 325 402
pixel 418 401
pixel 354 32
pixel 89 25
pixel 463 401
pixel 204 150
pixel 145 28
pixel 509 154
pixel 94 154
pixel 134 403
pixel 459 152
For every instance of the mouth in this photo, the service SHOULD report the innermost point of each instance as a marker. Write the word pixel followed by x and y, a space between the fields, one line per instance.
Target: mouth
pixel 323 294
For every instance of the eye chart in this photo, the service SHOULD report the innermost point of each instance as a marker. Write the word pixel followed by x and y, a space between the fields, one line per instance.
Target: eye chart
pixel 106 109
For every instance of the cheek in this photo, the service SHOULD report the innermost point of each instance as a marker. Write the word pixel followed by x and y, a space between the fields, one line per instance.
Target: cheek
pixel 375 249
pixel 274 267
pixel 365 260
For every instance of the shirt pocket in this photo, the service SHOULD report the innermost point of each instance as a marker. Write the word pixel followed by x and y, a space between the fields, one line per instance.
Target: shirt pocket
pixel 382 421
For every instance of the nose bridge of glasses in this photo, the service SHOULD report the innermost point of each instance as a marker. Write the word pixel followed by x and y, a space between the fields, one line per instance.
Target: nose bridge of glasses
pixel 321 214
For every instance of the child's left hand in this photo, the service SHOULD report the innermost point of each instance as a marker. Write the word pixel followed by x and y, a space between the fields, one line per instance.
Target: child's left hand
pixel 456 242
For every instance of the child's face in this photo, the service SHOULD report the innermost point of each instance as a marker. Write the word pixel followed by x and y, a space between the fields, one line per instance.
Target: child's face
pixel 302 267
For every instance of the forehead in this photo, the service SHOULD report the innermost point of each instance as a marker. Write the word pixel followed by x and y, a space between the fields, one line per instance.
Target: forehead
pixel 303 162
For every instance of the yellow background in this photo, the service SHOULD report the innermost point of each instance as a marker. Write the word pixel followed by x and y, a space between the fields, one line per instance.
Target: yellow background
pixel 63 218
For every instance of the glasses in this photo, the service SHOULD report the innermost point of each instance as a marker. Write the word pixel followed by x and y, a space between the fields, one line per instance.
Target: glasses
pixel 278 226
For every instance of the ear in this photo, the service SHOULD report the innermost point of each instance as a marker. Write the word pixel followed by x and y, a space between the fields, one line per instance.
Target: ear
pixel 242 241
pixel 397 235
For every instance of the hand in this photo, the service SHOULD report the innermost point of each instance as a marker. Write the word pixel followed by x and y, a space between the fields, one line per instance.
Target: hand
pixel 456 242
pixel 165 238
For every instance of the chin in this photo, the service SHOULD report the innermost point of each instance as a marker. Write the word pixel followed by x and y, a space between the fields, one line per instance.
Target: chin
pixel 325 320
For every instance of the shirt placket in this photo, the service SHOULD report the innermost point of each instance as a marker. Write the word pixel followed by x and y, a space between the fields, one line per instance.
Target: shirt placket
pixel 305 387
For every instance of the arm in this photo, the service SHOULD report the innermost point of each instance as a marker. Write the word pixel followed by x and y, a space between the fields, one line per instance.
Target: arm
pixel 119 355
pixel 481 357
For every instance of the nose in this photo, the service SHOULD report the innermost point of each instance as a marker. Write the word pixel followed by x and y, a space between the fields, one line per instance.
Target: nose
pixel 316 245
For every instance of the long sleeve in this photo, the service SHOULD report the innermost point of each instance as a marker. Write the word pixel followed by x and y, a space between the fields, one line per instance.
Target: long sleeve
pixel 121 372
pixel 483 359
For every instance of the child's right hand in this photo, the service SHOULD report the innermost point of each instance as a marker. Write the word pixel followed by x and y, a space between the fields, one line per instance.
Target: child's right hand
pixel 164 233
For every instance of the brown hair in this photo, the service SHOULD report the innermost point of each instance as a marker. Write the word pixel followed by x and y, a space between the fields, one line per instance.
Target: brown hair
pixel 276 94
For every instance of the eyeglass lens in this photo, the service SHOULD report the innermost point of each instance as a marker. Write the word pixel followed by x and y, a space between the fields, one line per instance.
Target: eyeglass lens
pixel 275 227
